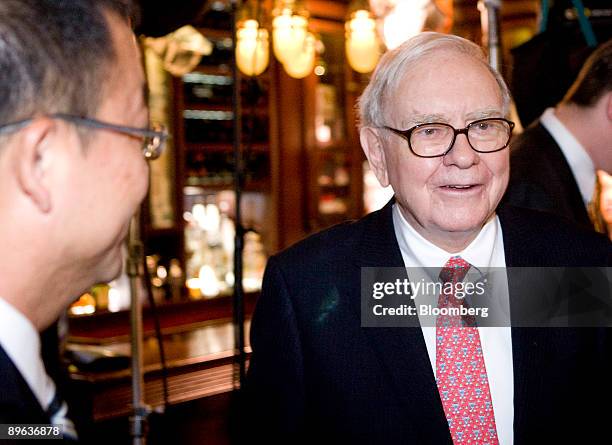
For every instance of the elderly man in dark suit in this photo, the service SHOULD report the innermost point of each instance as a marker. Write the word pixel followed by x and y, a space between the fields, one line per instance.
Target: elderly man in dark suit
pixel 553 162
pixel 74 139
pixel 434 127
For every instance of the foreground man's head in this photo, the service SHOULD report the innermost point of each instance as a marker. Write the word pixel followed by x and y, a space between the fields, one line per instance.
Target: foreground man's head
pixel 69 182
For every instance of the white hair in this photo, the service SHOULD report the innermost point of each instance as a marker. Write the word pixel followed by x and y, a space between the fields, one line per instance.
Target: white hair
pixel 394 64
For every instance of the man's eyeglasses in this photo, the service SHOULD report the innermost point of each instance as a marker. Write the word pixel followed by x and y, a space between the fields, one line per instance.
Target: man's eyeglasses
pixel 437 139
pixel 153 138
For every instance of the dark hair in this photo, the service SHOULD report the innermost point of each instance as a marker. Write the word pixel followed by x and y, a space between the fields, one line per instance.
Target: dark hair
pixel 54 55
pixel 594 79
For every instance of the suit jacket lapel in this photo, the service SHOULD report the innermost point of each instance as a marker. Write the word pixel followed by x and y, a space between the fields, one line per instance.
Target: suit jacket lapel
pixel 17 401
pixel 526 342
pixel 402 350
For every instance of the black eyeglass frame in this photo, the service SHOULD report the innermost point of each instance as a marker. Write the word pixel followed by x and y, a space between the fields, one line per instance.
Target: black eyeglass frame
pixel 406 134
pixel 159 137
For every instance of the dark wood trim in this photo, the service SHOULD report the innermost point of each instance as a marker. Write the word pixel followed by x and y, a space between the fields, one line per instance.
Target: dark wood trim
pixel 108 327
pixel 200 363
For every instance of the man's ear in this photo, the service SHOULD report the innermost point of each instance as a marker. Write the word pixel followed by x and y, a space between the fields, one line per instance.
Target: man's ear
pixel 609 106
pixel 373 147
pixel 31 161
pixel 605 178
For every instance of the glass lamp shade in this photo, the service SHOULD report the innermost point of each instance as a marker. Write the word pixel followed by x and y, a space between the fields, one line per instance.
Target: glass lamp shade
pixel 404 21
pixel 362 48
pixel 252 48
pixel 302 63
pixel 289 33
pixel 181 50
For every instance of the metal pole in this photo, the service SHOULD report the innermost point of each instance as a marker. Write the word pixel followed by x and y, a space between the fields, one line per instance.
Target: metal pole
pixel 239 353
pixel 491 30
pixel 491 36
pixel 140 412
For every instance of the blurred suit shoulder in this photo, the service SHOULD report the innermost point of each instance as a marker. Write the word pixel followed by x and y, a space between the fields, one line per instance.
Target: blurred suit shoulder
pixel 541 178
pixel 537 238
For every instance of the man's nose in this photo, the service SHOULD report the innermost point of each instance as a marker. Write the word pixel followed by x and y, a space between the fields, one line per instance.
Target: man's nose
pixel 461 153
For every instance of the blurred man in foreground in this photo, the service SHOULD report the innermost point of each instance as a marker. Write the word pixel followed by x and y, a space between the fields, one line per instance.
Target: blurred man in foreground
pixel 74 138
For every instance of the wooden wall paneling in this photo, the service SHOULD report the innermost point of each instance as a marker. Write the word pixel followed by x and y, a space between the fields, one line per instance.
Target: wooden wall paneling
pixel 289 157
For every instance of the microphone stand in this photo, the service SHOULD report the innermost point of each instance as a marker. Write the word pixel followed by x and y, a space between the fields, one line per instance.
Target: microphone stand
pixel 238 309
pixel 140 411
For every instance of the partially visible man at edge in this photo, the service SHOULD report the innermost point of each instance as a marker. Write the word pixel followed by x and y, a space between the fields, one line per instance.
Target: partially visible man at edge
pixel 433 126
pixel 74 138
pixel 554 161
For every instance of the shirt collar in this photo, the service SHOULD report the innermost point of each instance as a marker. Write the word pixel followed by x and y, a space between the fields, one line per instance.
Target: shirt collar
pixel 579 161
pixel 486 250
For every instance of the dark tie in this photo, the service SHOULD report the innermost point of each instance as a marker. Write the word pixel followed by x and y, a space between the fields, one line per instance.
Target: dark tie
pixel 57 411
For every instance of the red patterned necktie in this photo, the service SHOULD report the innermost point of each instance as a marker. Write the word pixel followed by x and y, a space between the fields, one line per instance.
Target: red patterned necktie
pixel 461 375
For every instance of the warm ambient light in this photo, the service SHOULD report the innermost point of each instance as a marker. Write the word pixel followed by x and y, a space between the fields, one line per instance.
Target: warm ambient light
pixel 209 284
pixel 302 63
pixel 362 48
pixel 404 21
pixel 289 33
pixel 252 48
pixel 293 45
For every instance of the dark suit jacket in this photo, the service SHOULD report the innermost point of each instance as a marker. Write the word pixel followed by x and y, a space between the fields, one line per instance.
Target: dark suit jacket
pixel 17 401
pixel 317 376
pixel 18 404
pixel 541 178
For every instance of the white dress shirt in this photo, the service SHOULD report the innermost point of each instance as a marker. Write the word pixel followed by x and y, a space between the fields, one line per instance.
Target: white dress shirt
pixel 487 250
pixel 21 342
pixel 580 162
